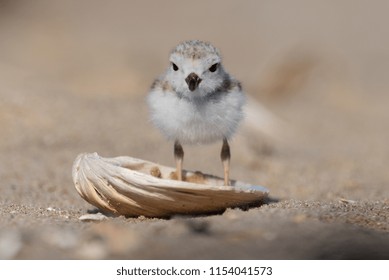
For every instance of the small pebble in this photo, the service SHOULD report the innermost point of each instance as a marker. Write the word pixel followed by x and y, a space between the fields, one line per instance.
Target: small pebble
pixel 347 201
pixel 10 244
pixel 93 217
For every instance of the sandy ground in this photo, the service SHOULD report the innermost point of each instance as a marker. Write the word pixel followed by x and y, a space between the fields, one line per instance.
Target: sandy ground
pixel 74 76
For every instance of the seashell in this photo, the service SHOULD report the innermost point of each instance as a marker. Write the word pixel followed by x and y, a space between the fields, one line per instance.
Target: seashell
pixel 135 187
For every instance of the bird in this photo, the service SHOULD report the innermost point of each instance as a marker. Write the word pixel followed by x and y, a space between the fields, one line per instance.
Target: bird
pixel 196 101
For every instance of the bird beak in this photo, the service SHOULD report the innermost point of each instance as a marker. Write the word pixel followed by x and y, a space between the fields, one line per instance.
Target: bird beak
pixel 193 81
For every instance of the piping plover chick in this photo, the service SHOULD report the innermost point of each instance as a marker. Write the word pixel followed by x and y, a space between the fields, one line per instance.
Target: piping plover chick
pixel 196 101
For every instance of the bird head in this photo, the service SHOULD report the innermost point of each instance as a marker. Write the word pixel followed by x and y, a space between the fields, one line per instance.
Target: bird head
pixel 195 69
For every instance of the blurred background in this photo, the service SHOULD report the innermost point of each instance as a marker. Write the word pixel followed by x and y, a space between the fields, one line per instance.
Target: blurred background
pixel 74 76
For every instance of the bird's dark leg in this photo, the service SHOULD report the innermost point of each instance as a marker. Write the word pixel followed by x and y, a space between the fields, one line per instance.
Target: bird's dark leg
pixel 225 157
pixel 179 157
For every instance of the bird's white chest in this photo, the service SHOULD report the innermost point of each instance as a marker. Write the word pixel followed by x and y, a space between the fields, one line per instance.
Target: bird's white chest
pixel 196 121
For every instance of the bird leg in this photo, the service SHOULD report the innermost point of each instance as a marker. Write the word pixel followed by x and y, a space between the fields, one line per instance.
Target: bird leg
pixel 225 157
pixel 179 157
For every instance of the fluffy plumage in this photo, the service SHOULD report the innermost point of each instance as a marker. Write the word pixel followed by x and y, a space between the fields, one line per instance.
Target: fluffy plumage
pixel 211 111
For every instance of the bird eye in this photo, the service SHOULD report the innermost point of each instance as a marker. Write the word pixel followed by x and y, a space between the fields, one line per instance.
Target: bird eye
pixel 213 68
pixel 175 67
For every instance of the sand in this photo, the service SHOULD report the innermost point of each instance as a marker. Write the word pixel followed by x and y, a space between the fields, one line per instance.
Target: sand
pixel 74 76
